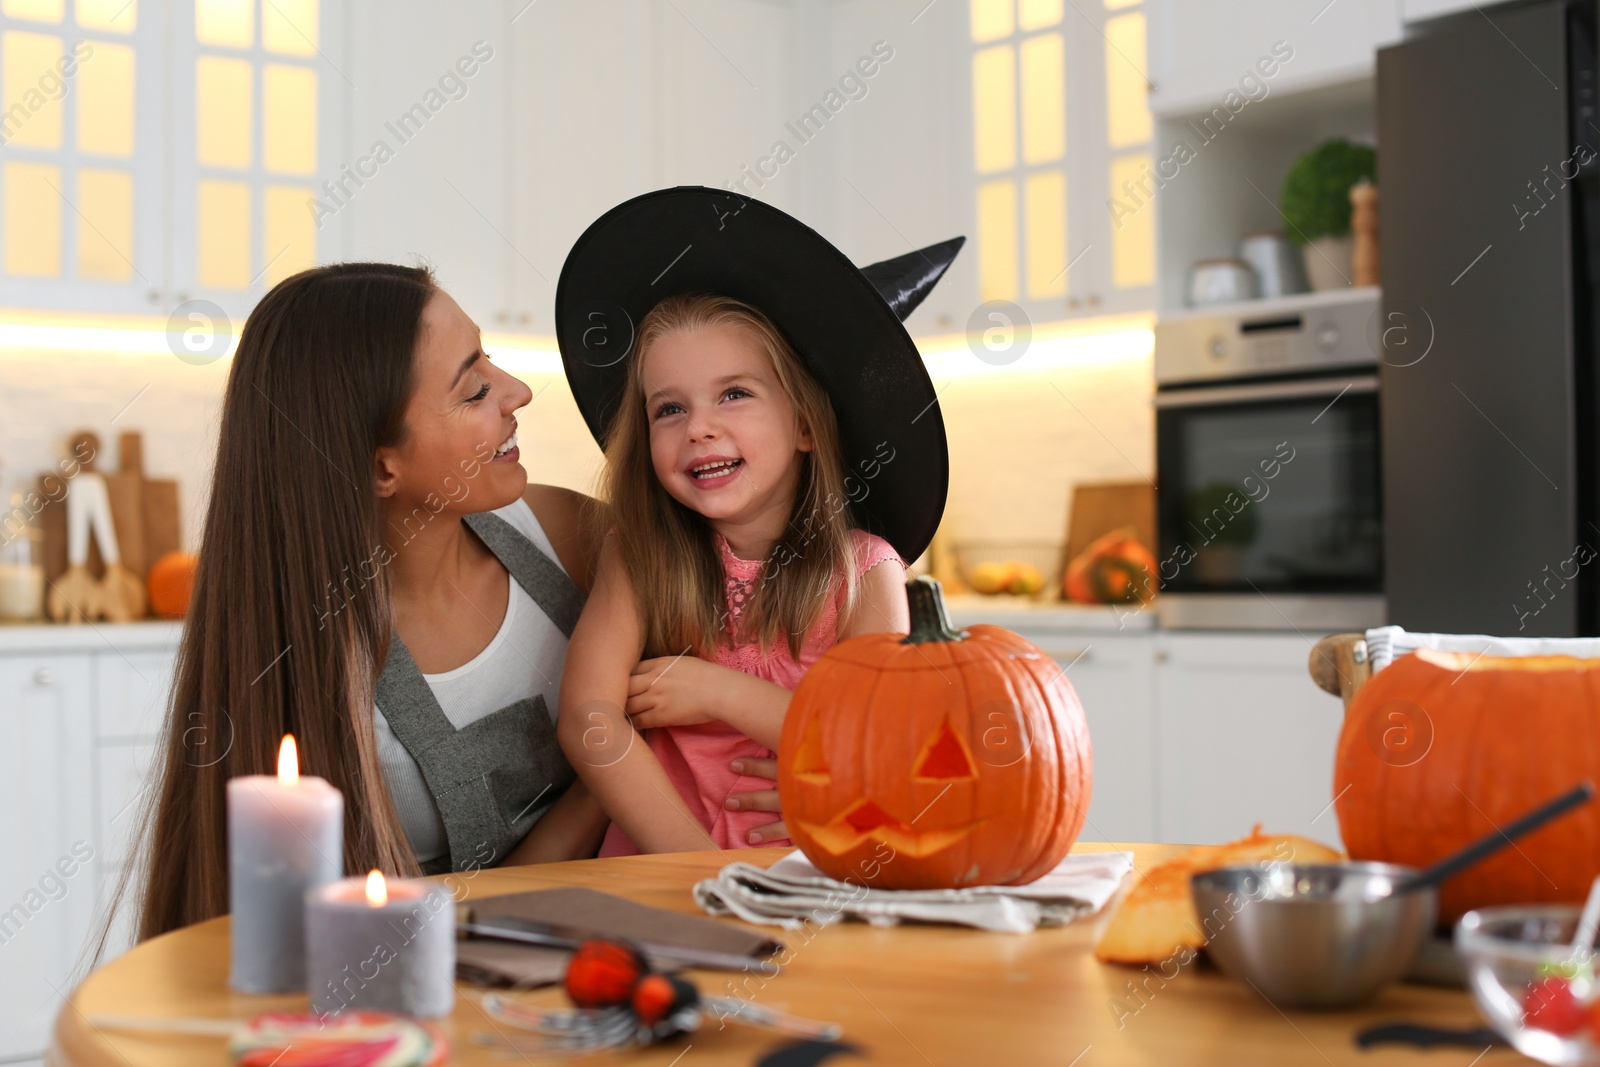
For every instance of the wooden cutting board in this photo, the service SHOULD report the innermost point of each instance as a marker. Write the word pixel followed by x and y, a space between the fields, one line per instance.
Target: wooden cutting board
pixel 144 511
pixel 1099 509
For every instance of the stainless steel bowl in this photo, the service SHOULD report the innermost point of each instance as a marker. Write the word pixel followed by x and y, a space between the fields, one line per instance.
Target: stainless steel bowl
pixel 1313 935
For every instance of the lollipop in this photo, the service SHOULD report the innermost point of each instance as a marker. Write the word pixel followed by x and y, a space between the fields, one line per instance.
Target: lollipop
pixel 349 1039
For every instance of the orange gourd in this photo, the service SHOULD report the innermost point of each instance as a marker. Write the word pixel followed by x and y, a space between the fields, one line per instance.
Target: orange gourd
pixel 937 759
pixel 1114 569
pixel 171 583
pixel 1441 748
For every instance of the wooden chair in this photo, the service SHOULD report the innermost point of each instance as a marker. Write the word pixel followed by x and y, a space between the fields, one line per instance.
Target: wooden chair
pixel 1339 665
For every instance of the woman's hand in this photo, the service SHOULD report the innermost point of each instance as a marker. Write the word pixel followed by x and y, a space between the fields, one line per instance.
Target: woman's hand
pixel 676 691
pixel 759 800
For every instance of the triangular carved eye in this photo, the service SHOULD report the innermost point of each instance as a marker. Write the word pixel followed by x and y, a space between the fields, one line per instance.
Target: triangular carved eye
pixel 945 758
pixel 809 762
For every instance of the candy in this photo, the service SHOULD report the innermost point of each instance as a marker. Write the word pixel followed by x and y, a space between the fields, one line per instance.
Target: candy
pixel 349 1039
pixel 1549 1004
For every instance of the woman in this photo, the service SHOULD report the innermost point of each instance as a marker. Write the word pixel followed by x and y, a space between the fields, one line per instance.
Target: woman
pixel 377 578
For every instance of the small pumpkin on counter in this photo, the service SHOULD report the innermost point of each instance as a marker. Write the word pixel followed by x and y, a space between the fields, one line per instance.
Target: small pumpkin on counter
pixel 1114 569
pixel 171 583
pixel 1440 748
pixel 937 759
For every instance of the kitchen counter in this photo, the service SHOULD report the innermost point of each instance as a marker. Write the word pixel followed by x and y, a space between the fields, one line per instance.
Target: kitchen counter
pixel 1054 616
pixel 89 637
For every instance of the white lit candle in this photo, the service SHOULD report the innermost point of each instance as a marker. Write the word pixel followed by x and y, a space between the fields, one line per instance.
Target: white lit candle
pixel 285 835
pixel 377 945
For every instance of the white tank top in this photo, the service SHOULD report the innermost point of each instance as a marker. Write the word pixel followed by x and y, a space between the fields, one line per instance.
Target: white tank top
pixel 524 659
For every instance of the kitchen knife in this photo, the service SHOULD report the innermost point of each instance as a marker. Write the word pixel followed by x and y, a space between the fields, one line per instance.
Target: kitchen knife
pixel 567 938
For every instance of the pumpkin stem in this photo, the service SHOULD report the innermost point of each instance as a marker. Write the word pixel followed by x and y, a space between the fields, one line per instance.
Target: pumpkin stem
pixel 929 621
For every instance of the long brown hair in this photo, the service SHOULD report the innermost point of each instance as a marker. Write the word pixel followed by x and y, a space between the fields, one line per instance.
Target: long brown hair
pixel 669 549
pixel 273 643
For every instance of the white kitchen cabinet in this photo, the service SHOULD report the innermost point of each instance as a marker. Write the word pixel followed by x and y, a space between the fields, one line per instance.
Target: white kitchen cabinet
pixel 1201 52
pixel 1113 675
pixel 1242 736
pixel 428 144
pixel 47 880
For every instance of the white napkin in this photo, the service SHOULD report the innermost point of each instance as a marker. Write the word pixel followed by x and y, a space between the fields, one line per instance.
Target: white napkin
pixel 1385 644
pixel 792 892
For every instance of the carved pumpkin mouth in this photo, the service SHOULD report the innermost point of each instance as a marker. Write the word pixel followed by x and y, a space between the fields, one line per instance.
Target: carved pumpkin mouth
pixel 866 821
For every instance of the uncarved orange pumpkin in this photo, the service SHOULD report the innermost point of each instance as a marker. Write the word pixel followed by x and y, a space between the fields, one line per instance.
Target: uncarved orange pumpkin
pixel 937 759
pixel 171 583
pixel 1441 748
pixel 1114 569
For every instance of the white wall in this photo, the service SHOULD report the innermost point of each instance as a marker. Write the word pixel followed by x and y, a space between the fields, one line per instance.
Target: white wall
pixel 1017 445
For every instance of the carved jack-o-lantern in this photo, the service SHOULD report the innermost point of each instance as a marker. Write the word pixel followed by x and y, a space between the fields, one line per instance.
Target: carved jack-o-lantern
pixel 940 759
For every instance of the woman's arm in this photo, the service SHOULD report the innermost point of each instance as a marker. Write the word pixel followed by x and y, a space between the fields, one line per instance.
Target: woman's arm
pixel 567 518
pixel 570 830
pixel 600 742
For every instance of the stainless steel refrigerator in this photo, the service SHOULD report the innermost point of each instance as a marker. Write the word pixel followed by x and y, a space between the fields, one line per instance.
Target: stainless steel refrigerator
pixel 1489 152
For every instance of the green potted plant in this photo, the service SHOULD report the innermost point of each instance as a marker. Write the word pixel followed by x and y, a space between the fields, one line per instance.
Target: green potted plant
pixel 1316 205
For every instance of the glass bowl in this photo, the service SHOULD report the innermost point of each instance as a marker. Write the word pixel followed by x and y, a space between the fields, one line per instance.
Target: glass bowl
pixel 1522 971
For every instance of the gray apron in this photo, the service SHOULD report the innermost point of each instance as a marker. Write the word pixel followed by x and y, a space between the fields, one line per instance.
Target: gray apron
pixel 493 778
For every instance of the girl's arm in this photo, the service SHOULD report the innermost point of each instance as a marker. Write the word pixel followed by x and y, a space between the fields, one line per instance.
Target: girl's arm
pixel 570 830
pixel 682 690
pixel 599 741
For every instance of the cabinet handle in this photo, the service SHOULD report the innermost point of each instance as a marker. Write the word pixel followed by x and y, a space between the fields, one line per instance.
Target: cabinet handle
pixel 44 676
pixel 525 318
pixel 1162 655
pixel 1093 300
pixel 1072 302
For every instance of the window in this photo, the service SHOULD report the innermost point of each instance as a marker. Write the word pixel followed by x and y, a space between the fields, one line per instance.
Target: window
pixel 1027 91
pixel 255 140
pixel 67 102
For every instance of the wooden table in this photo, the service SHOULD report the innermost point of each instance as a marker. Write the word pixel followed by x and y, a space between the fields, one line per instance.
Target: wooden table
pixel 941 996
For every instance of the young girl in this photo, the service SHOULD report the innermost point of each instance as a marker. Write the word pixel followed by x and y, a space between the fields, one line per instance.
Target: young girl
pixel 735 559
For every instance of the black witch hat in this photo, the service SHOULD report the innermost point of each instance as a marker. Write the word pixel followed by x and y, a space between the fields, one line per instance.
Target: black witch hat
pixel 844 321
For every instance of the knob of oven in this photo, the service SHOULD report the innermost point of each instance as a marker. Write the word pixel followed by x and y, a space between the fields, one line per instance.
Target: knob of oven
pixel 1217 347
pixel 1326 336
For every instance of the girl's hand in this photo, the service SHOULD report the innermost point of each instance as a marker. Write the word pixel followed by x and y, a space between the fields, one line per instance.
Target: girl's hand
pixel 675 691
pixel 759 800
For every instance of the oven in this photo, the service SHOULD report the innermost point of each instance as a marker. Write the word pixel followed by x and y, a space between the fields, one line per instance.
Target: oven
pixel 1269 501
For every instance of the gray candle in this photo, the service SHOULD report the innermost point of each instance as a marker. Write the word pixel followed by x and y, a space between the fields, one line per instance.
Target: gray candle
pixel 285 835
pixel 378 945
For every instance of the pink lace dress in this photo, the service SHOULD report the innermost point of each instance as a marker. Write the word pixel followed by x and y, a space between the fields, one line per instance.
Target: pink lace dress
pixel 696 758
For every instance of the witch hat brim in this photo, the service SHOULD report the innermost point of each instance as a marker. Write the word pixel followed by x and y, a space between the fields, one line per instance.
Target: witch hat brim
pixel 844 321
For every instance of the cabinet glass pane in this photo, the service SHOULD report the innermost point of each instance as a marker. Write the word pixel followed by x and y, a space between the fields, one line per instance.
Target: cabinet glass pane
pixel 994 109
pixel 1044 201
pixel 36 10
pixel 228 23
pixel 222 259
pixel 33 90
pixel 289 27
pixel 1044 98
pixel 997 240
pixel 33 219
pixel 105 224
pixel 992 20
pixel 105 94
pixel 1133 236
pixel 1037 14
pixel 222 112
pixel 291 233
pixel 1127 91
pixel 289 119
pixel 116 16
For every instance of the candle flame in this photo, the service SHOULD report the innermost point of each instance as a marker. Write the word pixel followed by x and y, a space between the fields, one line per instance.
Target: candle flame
pixel 288 761
pixel 377 889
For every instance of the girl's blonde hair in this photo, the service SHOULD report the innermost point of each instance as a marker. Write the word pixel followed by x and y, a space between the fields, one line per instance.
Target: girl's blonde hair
pixel 668 548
